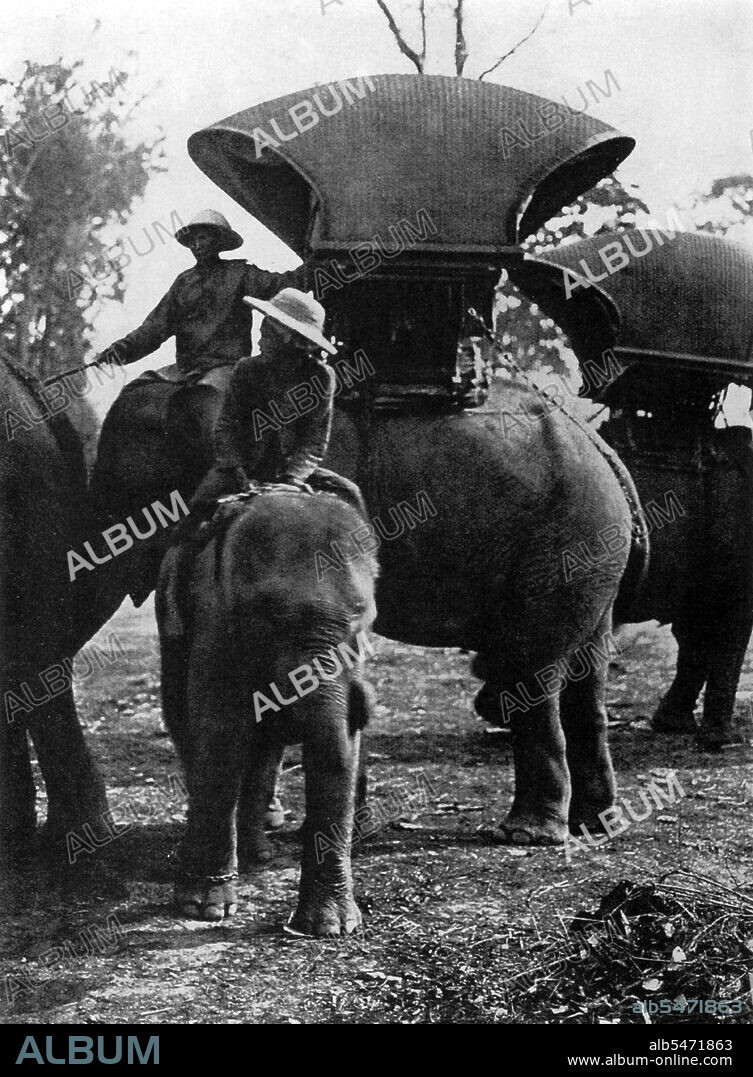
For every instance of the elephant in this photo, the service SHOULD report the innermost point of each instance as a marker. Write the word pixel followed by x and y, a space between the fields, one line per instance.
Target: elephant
pixel 477 564
pixel 658 342
pixel 45 620
pixel 701 575
pixel 471 528
pixel 156 427
pixel 256 619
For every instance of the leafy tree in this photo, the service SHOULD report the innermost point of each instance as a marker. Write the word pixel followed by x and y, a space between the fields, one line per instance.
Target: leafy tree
pixel 67 174
pixel 726 208
pixel 534 340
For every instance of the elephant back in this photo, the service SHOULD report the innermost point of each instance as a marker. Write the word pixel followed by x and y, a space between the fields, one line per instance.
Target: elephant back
pixel 698 502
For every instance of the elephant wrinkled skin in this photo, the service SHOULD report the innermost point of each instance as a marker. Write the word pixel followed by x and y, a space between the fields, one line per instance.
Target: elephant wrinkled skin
pixel 42 510
pixel 494 496
pixel 259 624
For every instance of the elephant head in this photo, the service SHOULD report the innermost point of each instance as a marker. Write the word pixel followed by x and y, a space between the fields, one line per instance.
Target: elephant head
pixel 272 655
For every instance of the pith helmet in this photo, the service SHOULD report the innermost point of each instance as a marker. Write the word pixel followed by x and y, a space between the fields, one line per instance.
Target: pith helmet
pixel 298 311
pixel 210 218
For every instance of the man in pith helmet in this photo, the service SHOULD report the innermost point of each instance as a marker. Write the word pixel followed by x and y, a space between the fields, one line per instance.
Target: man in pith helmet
pixel 204 308
pixel 264 432
pixel 274 426
pixel 251 443
pixel 205 311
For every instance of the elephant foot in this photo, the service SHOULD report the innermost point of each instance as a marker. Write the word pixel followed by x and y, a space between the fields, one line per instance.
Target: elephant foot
pixel 715 739
pixel 325 917
pixel 528 829
pixel 207 897
pixel 68 837
pixel 589 805
pixel 20 889
pixel 671 719
pixel 255 848
pixel 588 815
pixel 18 845
pixel 88 879
pixel 81 815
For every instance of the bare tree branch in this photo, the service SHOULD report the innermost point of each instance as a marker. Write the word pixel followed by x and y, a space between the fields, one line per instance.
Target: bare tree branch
pixel 461 47
pixel 516 47
pixel 413 56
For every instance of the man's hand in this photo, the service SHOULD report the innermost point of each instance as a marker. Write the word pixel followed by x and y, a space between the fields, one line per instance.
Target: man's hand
pixel 104 358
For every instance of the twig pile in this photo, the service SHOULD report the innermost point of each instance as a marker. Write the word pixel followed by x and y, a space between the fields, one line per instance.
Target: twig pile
pixel 686 937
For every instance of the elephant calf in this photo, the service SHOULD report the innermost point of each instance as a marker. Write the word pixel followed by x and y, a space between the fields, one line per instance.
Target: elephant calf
pixel 269 655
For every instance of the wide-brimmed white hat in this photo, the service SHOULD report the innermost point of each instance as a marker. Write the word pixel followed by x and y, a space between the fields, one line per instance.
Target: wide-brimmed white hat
pixel 298 311
pixel 210 218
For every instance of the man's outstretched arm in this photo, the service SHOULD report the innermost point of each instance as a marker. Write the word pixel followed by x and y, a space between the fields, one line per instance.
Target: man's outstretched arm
pixel 261 284
pixel 157 327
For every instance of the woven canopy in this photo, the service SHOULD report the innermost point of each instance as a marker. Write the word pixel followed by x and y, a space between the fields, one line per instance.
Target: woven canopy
pixel 684 298
pixel 475 157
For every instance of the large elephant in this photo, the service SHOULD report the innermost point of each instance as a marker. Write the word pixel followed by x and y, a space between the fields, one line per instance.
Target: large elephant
pixel 679 319
pixel 270 655
pixel 42 509
pixel 472 513
pixel 700 506
pixel 398 253
pixel 156 428
pixel 472 527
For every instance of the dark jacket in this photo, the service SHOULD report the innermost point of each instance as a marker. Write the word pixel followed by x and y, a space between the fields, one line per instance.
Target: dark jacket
pixel 204 310
pixel 277 415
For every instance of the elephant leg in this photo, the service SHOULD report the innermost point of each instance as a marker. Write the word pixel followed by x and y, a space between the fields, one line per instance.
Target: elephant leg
pixel 326 905
pixel 173 680
pixel 368 822
pixel 258 795
pixel 675 713
pixel 585 722
pixel 538 815
pixel 17 796
pixel 206 887
pixel 76 793
pixel 726 656
pixel 487 703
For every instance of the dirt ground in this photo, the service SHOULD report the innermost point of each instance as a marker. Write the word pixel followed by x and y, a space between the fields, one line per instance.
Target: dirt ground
pixel 452 921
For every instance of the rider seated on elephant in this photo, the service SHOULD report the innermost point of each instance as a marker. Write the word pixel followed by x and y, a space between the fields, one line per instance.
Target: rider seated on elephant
pixel 205 312
pixel 258 437
pixel 175 408
pixel 203 308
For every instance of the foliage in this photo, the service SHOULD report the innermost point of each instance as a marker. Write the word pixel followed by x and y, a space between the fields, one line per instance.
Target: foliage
pixel 726 207
pixel 67 174
pixel 534 340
